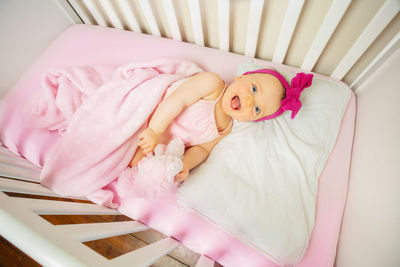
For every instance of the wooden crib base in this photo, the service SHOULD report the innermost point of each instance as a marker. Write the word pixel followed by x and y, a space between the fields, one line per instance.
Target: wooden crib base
pixel 110 248
pixel 72 222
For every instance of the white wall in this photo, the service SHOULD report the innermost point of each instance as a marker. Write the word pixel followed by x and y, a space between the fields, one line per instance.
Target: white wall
pixel 371 226
pixel 26 29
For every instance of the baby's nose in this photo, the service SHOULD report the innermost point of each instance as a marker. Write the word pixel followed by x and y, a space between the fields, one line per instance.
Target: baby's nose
pixel 249 101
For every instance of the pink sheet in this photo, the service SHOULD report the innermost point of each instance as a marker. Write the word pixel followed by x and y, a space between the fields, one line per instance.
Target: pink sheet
pixel 93 45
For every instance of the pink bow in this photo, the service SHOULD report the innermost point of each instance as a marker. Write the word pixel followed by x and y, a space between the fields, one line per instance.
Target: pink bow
pixel 292 100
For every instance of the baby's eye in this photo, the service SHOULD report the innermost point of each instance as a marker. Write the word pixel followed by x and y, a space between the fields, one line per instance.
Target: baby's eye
pixel 257 109
pixel 254 88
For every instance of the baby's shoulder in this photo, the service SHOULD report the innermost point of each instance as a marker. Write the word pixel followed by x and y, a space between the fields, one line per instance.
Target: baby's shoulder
pixel 215 84
pixel 210 79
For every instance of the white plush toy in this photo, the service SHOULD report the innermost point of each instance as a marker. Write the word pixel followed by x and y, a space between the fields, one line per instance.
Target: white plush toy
pixel 154 176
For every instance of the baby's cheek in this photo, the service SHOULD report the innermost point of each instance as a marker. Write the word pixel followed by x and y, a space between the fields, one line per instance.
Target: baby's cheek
pixel 244 116
pixel 248 115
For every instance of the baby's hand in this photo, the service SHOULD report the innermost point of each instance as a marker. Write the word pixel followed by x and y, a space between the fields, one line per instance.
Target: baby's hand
pixel 148 140
pixel 182 175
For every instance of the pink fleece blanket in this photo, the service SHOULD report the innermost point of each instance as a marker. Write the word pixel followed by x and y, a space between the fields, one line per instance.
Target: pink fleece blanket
pixel 99 111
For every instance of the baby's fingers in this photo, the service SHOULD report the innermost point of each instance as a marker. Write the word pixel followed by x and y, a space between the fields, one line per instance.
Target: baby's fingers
pixel 141 135
pixel 181 176
pixel 147 148
pixel 142 143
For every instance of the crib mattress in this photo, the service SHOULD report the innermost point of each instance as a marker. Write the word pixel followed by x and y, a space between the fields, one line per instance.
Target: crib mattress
pixel 94 45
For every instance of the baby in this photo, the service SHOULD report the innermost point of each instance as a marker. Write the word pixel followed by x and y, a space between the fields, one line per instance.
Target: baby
pixel 201 111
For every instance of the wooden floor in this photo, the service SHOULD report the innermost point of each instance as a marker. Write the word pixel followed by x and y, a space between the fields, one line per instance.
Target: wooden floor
pixel 108 247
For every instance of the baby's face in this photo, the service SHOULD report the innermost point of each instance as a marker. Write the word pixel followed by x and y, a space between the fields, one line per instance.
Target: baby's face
pixel 253 96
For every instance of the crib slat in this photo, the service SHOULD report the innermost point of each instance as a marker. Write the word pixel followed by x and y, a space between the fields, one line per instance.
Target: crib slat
pixel 94 10
pixel 223 24
pixel 40 240
pixel 289 24
pixel 93 231
pixel 382 18
pixel 147 255
pixel 253 27
pixel 53 207
pixel 7 157
pixel 172 21
pixel 69 11
pixel 130 17
pixel 5 153
pixel 17 172
pixel 15 186
pixel 204 262
pixel 332 19
pixel 111 13
pixel 81 12
pixel 376 59
pixel 194 9
pixel 148 14
pixel 18 162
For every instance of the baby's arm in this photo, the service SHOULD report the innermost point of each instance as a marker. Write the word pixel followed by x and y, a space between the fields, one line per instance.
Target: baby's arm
pixel 195 88
pixel 195 155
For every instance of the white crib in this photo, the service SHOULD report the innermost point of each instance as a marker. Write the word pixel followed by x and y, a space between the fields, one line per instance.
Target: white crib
pixel 61 245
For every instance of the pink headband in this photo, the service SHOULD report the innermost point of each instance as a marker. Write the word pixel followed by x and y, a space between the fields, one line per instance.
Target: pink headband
pixel 292 100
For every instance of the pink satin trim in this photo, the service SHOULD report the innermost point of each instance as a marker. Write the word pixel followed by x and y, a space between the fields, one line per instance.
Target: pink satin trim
pixel 292 100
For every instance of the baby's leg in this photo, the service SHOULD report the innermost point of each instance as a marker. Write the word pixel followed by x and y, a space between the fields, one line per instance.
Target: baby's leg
pixel 139 154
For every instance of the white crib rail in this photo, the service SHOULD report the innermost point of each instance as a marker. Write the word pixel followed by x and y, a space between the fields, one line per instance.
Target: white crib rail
pixel 61 245
pixel 104 13
pixel 289 24
pixel 328 26
pixel 16 167
pixel 382 18
pixel 253 27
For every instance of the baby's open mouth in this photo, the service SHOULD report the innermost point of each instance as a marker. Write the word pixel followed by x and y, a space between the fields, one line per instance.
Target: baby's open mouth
pixel 235 102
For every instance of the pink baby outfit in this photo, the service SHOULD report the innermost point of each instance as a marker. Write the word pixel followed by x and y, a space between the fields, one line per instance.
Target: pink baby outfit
pixel 196 123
